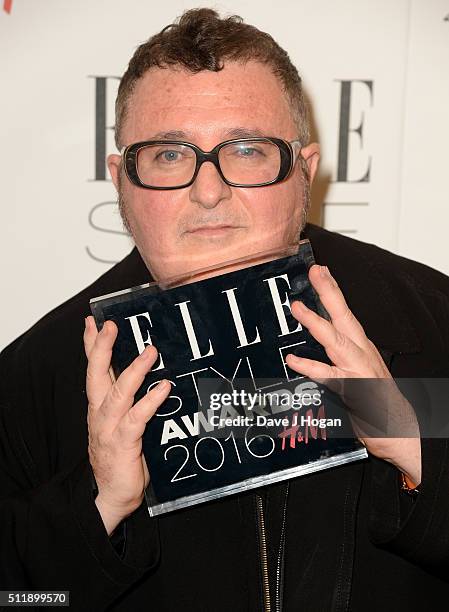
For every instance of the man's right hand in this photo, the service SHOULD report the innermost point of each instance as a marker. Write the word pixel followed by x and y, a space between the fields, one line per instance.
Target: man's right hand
pixel 116 426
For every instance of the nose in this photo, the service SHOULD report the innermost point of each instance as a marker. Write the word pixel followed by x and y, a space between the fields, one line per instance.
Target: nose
pixel 208 189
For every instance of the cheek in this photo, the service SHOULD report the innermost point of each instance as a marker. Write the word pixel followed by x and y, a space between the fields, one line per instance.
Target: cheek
pixel 279 208
pixel 152 218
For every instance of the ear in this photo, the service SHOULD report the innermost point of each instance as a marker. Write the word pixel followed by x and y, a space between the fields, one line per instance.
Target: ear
pixel 114 162
pixel 311 153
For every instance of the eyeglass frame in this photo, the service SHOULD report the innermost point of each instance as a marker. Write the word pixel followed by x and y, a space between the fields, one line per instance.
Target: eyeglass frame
pixel 289 156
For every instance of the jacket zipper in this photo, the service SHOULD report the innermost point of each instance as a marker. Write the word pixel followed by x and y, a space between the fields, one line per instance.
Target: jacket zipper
pixel 263 554
pixel 280 559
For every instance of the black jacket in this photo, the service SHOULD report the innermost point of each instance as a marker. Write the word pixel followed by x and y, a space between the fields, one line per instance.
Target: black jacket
pixel 351 540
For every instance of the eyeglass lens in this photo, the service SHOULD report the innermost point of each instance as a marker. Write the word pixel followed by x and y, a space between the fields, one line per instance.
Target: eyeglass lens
pixel 246 163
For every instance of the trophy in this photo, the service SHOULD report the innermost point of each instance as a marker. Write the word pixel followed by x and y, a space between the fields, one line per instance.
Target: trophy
pixel 237 416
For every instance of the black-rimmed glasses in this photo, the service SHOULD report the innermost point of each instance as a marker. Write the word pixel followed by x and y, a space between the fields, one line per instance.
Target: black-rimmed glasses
pixel 243 162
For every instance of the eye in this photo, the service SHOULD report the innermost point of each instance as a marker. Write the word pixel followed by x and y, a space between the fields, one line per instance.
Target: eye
pixel 247 151
pixel 250 151
pixel 168 155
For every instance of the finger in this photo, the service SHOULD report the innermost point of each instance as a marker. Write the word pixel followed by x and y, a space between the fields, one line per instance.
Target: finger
pixel 121 396
pixel 316 370
pixel 334 302
pixel 133 423
pixel 98 380
pixel 322 373
pixel 341 350
pixel 90 333
pixel 146 473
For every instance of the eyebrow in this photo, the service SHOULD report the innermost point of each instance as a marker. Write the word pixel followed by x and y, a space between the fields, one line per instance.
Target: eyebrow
pixel 241 132
pixel 173 134
pixel 237 132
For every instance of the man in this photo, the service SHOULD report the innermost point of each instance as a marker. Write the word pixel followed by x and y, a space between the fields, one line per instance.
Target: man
pixel 73 516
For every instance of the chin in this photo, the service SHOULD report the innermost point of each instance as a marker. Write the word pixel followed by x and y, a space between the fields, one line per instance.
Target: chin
pixel 206 250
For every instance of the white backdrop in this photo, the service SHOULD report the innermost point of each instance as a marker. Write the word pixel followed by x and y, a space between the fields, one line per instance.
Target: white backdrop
pixel 375 72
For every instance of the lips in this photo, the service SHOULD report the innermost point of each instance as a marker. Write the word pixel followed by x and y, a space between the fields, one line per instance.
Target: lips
pixel 210 229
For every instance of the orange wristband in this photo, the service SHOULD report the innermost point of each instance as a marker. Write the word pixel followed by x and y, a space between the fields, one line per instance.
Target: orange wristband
pixel 408 485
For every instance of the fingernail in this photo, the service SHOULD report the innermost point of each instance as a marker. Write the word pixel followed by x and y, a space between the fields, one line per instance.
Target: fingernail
pixel 302 306
pixel 294 357
pixel 162 386
pixel 145 353
pixel 324 271
pixel 86 322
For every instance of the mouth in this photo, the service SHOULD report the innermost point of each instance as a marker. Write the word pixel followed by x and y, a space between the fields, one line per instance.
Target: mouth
pixel 212 230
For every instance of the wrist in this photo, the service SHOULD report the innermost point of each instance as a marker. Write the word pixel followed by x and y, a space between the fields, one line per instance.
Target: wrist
pixel 407 459
pixel 112 514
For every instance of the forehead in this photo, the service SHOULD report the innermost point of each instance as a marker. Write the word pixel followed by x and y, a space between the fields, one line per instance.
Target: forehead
pixel 208 104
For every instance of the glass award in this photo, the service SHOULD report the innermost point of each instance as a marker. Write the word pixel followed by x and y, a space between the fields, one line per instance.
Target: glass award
pixel 237 416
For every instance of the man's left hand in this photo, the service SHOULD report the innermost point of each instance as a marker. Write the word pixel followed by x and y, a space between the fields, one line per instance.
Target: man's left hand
pixel 354 356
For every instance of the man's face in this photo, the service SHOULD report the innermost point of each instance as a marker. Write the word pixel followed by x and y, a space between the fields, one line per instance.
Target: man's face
pixel 209 222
